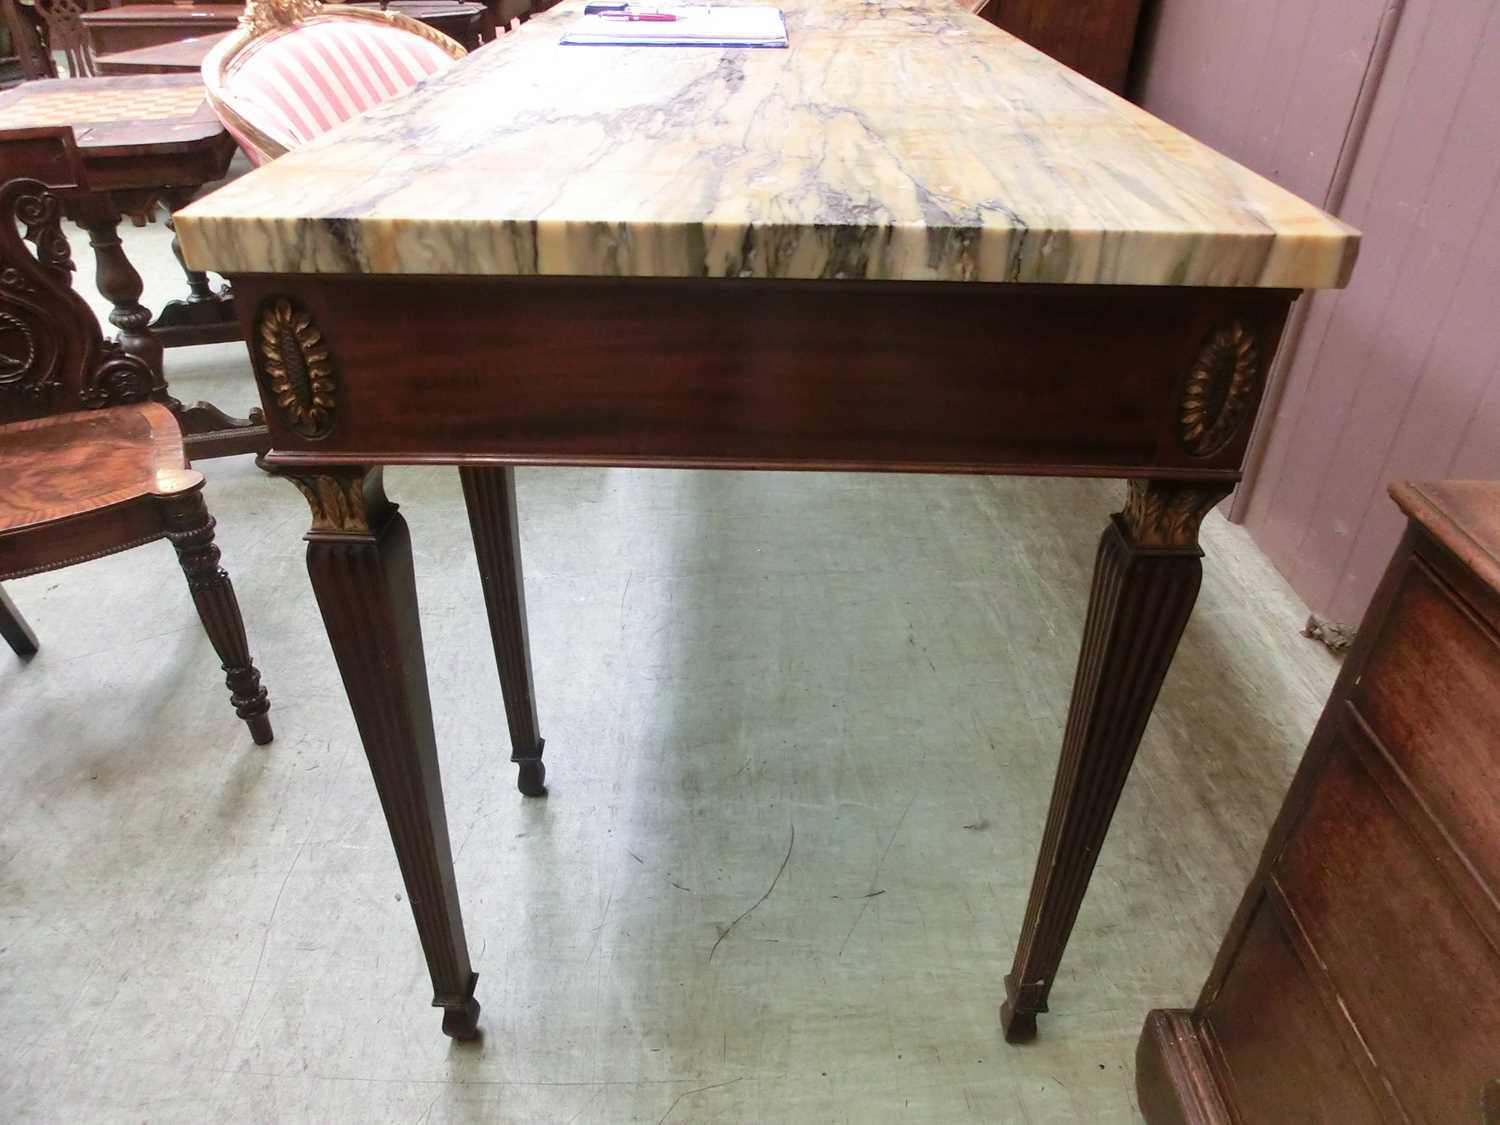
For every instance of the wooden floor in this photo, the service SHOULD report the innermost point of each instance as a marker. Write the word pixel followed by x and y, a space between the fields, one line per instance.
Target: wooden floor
pixel 733 672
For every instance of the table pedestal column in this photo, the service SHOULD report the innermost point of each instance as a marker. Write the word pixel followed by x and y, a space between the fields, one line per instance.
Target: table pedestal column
pixel 207 431
pixel 119 282
pixel 1146 578
pixel 359 559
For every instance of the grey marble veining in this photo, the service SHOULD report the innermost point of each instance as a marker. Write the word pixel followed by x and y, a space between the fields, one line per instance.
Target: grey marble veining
pixel 905 141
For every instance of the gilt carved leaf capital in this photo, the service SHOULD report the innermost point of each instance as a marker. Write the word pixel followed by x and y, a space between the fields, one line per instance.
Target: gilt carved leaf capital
pixel 1167 514
pixel 344 499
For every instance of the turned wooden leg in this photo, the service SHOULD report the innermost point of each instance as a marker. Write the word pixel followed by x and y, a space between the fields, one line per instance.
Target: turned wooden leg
pixel 14 629
pixel 491 497
pixel 118 280
pixel 199 289
pixel 1146 578
pixel 191 530
pixel 207 431
pixel 359 558
pixel 205 316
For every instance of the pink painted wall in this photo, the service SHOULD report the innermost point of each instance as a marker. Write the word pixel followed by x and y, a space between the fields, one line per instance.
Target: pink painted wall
pixel 1399 376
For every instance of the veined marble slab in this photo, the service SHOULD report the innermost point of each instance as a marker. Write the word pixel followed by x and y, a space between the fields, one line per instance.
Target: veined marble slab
pixel 905 140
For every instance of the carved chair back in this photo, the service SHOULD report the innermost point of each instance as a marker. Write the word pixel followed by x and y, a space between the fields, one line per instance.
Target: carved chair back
pixel 294 69
pixel 67 33
pixel 28 38
pixel 53 357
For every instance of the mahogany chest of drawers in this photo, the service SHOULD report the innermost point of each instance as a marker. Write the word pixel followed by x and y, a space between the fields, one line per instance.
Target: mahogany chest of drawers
pixel 1360 980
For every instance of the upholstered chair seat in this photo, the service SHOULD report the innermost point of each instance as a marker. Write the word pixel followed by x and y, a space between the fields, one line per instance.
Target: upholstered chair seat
pixel 295 69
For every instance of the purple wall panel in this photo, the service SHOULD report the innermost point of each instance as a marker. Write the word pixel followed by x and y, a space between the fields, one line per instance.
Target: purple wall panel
pixel 1397 376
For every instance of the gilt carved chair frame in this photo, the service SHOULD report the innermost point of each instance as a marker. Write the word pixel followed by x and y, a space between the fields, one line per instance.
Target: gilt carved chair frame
pixel 272 17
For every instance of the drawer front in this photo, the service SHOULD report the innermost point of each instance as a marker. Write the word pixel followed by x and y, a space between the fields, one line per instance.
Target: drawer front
pixel 1280 1054
pixel 1402 956
pixel 1430 692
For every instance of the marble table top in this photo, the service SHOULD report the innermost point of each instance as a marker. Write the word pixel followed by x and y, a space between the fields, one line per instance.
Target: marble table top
pixel 900 140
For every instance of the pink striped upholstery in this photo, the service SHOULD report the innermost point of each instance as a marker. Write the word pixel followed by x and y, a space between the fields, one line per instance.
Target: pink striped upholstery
pixel 296 84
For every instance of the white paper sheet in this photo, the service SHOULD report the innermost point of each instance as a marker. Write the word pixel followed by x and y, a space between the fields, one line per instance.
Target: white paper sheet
pixel 707 26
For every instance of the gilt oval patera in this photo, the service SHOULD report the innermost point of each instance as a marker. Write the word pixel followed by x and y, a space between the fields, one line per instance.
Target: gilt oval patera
pixel 1220 390
pixel 294 361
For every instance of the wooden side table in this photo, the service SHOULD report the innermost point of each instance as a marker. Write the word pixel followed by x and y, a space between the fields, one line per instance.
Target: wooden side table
pixel 144 141
pixel 1357 983
pixel 150 25
pixel 464 22
pixel 139 28
pixel 184 56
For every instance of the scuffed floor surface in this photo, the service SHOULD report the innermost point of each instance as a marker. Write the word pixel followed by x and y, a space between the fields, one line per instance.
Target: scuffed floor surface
pixel 869 673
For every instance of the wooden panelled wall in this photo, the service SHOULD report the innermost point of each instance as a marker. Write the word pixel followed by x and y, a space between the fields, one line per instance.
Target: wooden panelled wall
pixel 1389 110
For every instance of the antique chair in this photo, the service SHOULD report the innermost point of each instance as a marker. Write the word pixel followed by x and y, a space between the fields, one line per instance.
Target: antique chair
pixel 28 38
pixel 67 33
pixel 295 69
pixel 89 466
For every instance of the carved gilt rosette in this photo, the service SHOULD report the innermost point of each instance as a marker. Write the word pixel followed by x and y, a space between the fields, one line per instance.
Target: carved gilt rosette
pixel 1220 390
pixel 295 362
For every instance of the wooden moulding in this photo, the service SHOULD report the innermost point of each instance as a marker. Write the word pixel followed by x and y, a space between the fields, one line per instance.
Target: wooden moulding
pixel 1156 383
pixel 1173 1078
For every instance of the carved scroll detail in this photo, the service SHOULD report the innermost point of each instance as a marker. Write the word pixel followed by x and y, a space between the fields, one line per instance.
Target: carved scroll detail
pixel 49 339
pixel 120 377
pixel 52 353
pixel 17 348
pixel 1220 390
pixel 296 363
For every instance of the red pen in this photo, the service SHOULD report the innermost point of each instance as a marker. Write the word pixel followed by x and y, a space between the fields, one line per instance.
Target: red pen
pixel 640 17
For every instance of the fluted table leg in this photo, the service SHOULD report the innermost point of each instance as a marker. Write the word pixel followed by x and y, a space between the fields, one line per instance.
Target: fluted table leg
pixel 1146 578
pixel 491 497
pixel 359 559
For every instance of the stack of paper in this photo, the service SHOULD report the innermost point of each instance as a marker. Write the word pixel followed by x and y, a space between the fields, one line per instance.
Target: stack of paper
pixel 751 26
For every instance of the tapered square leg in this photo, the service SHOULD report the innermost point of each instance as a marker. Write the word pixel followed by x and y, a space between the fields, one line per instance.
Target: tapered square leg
pixel 14 629
pixel 359 559
pixel 1146 579
pixel 191 530
pixel 490 494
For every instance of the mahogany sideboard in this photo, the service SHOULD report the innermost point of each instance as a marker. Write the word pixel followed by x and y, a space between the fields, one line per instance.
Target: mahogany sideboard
pixel 1358 981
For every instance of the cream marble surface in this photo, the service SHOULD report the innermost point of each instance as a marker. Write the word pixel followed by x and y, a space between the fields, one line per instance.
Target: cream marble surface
pixel 902 141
